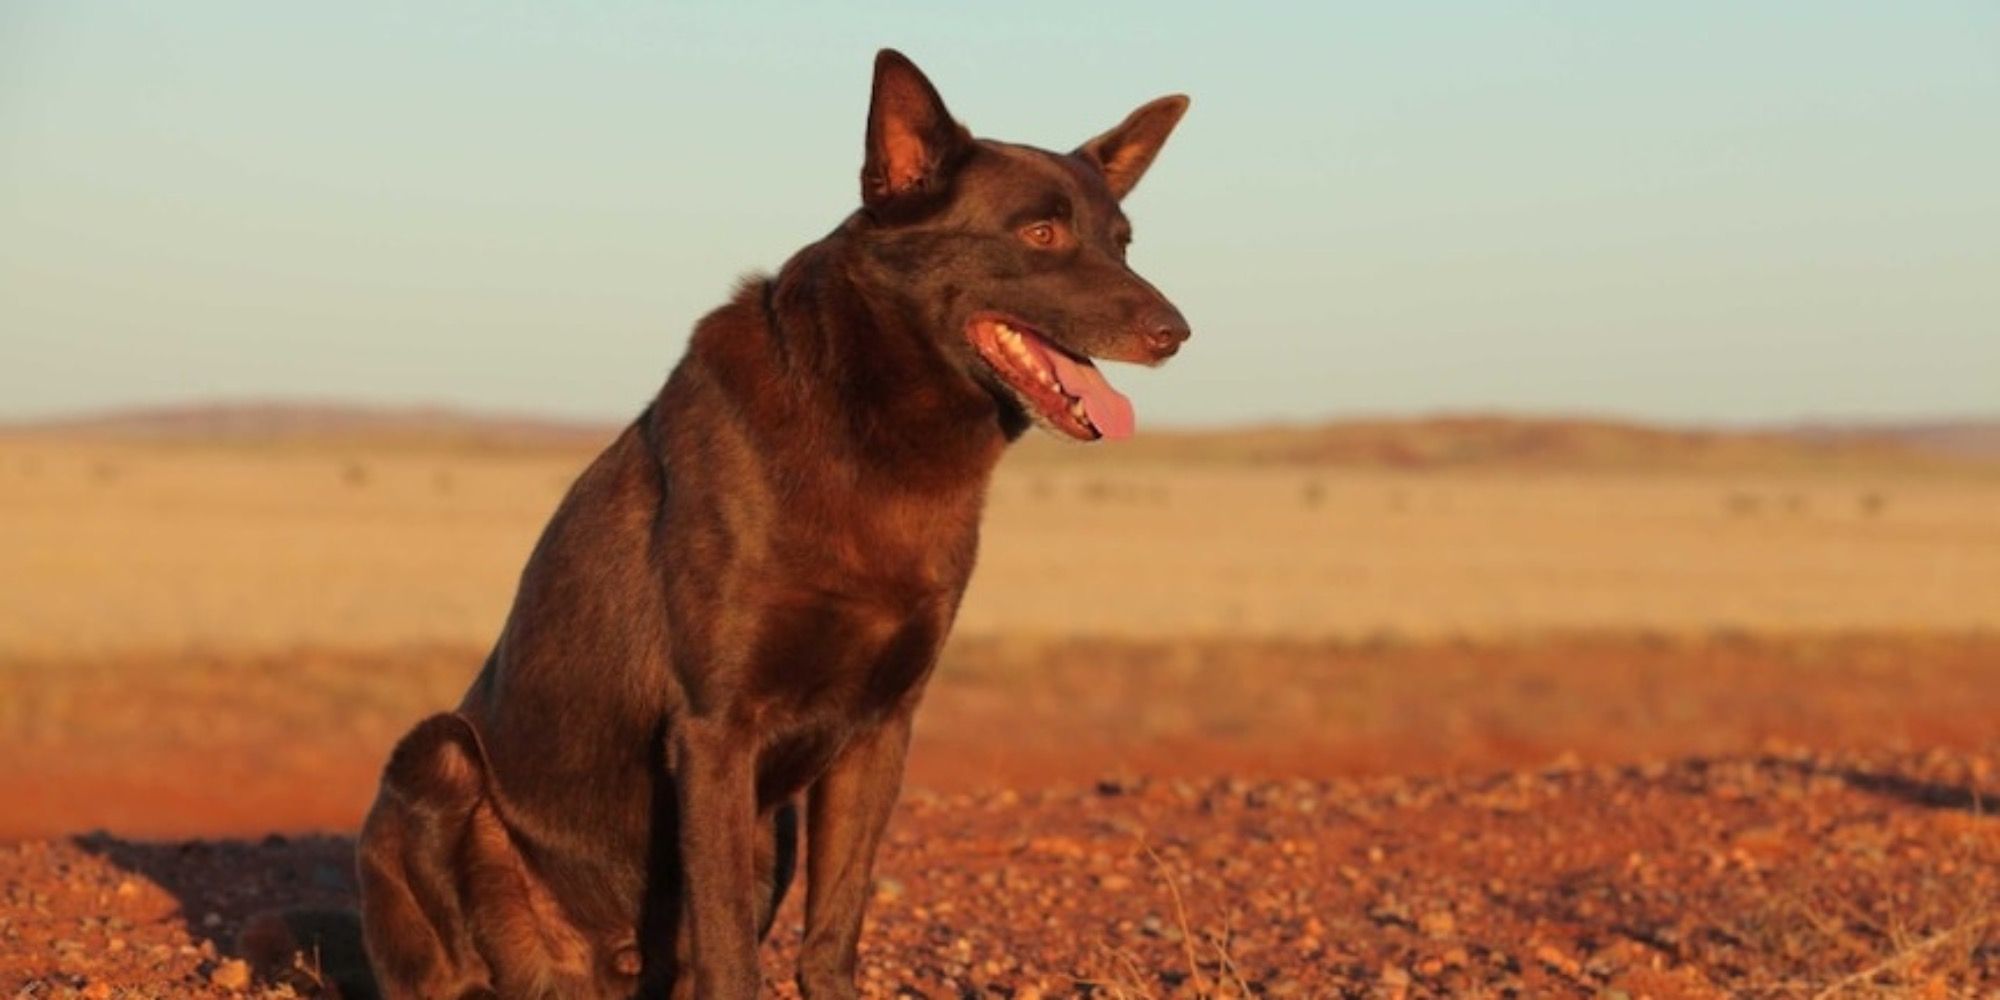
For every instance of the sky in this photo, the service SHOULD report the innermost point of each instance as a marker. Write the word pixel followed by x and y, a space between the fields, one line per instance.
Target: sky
pixel 1694 212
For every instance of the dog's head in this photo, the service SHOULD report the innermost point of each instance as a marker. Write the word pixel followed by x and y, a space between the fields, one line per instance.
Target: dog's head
pixel 1012 257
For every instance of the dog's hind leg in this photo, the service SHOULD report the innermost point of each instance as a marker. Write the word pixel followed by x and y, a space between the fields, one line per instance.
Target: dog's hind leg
pixel 418 937
pixel 451 907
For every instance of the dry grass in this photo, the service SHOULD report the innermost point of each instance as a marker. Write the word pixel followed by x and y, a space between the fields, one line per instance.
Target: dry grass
pixel 1800 940
pixel 1127 979
pixel 1915 939
pixel 127 546
pixel 1865 982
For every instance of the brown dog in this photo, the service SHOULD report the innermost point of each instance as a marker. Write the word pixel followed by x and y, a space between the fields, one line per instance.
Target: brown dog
pixel 738 603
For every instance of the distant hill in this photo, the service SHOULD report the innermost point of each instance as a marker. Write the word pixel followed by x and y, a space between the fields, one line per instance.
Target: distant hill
pixel 1969 439
pixel 1427 442
pixel 1508 441
pixel 305 423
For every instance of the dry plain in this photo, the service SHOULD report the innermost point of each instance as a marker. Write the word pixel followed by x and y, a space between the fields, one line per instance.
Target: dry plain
pixel 1235 714
pixel 160 545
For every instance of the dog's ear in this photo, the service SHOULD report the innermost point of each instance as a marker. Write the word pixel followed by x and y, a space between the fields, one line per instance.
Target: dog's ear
pixel 1124 153
pixel 912 140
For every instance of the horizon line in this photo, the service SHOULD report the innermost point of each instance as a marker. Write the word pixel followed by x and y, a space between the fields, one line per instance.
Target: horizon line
pixel 473 413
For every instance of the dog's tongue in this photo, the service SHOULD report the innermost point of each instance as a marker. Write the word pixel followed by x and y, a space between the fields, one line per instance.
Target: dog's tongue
pixel 1109 410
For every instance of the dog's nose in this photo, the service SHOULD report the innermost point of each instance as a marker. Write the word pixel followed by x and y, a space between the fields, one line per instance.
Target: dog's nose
pixel 1164 332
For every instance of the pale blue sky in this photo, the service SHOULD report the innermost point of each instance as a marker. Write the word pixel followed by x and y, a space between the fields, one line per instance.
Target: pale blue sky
pixel 1694 212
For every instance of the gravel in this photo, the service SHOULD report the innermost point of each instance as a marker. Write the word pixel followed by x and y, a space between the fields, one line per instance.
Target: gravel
pixel 1782 873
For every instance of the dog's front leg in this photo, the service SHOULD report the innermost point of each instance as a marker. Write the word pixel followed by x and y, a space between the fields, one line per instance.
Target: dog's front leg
pixel 848 808
pixel 714 775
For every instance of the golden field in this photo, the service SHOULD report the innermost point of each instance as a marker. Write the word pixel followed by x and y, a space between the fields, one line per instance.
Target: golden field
pixel 122 545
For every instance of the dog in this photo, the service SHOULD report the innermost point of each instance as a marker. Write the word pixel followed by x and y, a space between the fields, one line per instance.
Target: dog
pixel 725 629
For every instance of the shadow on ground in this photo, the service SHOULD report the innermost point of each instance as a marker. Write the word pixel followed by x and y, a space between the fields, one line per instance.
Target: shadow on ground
pixel 264 901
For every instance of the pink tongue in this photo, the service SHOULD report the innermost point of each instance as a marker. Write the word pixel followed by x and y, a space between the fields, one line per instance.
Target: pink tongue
pixel 1108 409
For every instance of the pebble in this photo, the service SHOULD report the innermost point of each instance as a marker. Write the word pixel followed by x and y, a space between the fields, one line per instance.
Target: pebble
pixel 233 974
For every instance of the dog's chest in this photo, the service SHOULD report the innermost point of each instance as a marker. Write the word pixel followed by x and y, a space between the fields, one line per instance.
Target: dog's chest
pixel 823 651
pixel 827 669
pixel 888 546
pixel 849 606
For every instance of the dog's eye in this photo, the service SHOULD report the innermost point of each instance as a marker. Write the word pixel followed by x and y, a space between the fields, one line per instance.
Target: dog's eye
pixel 1041 234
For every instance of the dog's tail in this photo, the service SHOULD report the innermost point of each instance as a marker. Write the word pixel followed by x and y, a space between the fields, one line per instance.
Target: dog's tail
pixel 317 952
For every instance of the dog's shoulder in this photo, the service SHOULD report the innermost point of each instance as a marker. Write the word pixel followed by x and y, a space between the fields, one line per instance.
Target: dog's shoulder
pixel 745 314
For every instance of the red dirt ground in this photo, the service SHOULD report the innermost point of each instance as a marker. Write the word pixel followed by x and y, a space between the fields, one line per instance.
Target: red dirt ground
pixel 1584 817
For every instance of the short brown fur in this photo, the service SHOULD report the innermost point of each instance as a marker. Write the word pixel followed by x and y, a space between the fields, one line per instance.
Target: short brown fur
pixel 729 621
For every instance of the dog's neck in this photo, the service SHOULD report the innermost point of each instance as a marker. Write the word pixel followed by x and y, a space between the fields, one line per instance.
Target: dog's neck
pixel 857 375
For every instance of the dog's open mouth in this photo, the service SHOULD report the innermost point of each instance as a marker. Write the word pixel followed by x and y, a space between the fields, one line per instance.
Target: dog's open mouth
pixel 1065 390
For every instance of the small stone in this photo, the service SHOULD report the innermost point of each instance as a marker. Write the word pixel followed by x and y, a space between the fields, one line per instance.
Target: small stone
pixel 233 974
pixel 1553 957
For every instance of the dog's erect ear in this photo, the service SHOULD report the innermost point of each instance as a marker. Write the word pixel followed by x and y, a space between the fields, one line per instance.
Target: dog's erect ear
pixel 1124 153
pixel 912 140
